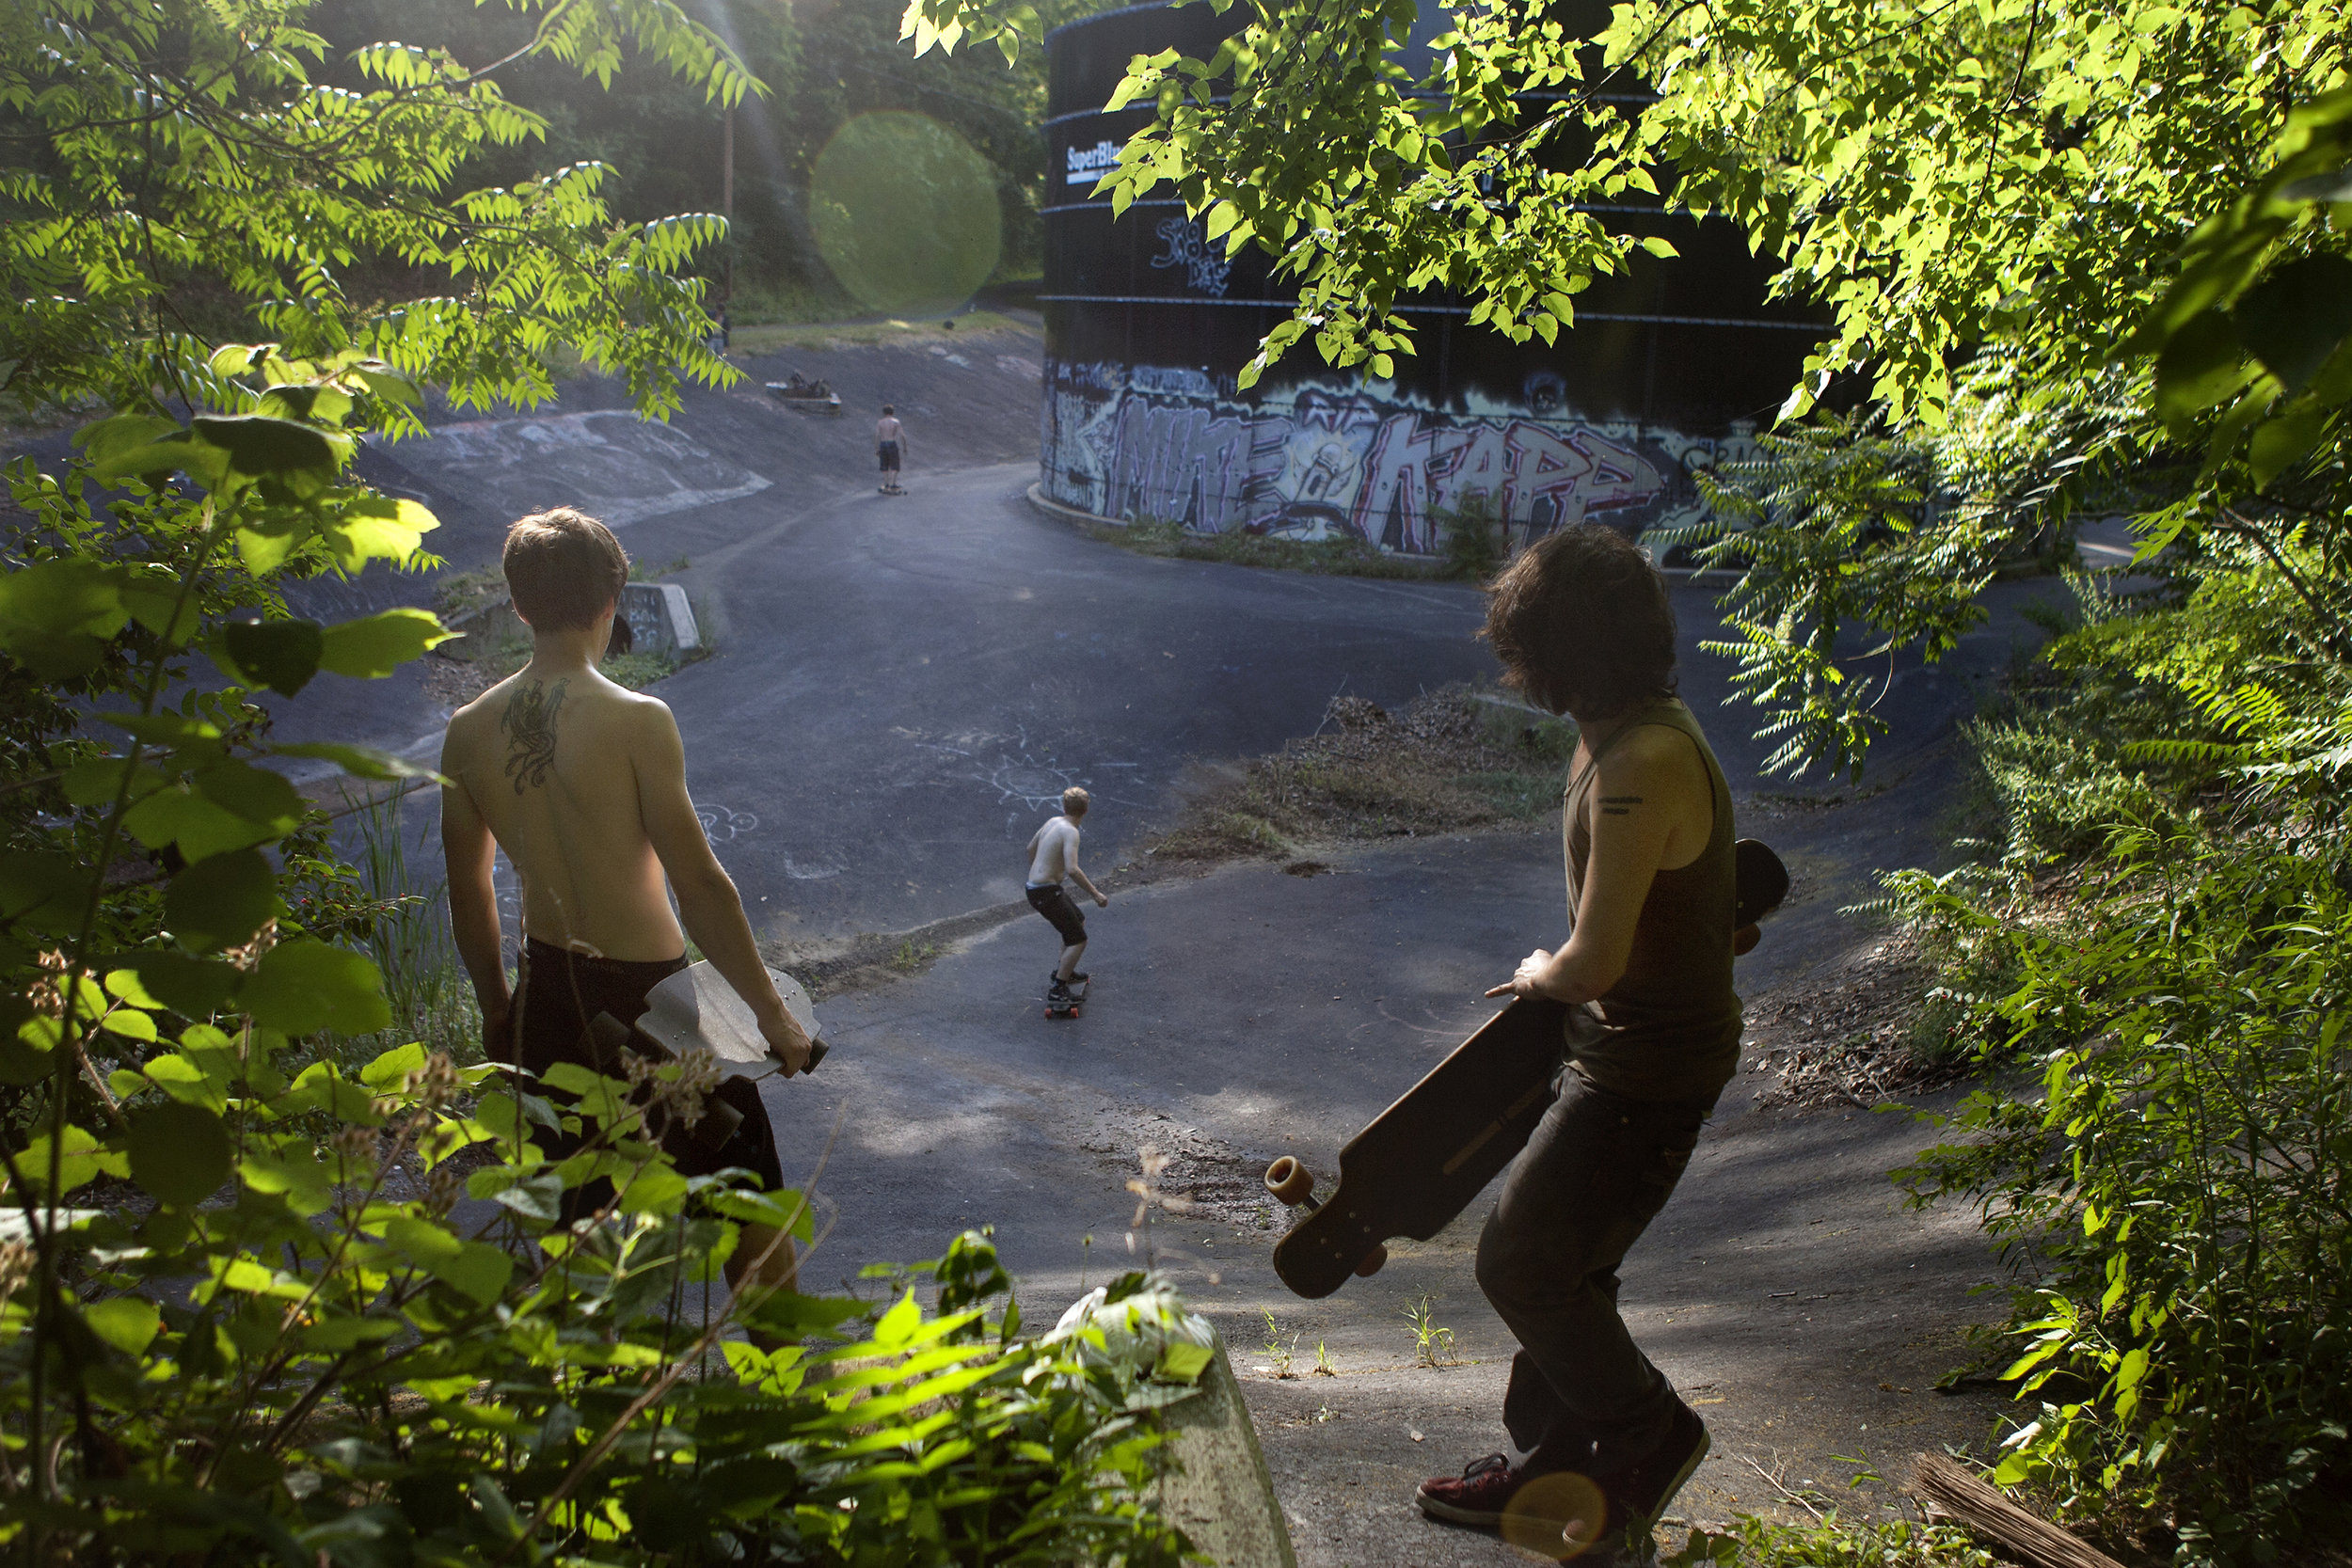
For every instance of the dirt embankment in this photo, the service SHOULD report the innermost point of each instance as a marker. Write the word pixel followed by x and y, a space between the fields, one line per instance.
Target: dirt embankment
pixel 1456 758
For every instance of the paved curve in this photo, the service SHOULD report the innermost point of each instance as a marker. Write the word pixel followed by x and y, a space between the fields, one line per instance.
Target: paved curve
pixel 905 686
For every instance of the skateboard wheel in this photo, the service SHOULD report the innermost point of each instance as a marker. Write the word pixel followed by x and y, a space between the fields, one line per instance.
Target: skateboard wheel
pixel 1744 939
pixel 1372 1261
pixel 1290 1182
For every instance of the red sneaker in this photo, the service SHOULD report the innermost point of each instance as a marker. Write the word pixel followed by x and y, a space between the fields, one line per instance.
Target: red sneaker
pixel 1641 1492
pixel 1477 1498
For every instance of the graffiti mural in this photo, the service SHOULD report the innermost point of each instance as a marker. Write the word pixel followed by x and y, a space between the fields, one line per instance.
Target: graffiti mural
pixel 1150 443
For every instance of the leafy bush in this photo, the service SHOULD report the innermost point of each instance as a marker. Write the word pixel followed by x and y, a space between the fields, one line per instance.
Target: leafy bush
pixel 1476 545
pixel 361 1373
pixel 2173 1199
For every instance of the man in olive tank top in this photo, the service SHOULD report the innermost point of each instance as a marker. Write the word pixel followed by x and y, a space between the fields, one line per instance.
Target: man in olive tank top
pixel 1583 626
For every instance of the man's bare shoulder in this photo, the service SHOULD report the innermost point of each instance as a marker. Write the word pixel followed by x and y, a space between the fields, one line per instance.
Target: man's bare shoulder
pixel 477 723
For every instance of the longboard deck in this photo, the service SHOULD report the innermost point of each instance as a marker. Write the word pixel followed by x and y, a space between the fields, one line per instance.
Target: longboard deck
pixel 1424 1159
pixel 696 1010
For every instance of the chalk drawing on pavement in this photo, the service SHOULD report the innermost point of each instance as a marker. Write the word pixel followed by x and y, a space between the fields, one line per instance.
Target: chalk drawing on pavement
pixel 724 825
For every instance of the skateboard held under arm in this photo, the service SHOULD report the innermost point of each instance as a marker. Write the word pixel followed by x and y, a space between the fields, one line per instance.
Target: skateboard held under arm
pixel 1422 1160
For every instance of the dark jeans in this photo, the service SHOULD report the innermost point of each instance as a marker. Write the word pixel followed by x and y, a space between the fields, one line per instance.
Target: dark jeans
pixel 1583 1396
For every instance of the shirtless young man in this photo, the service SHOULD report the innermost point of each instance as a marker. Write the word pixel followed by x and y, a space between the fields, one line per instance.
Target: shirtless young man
pixel 583 784
pixel 1583 626
pixel 1053 852
pixel 889 441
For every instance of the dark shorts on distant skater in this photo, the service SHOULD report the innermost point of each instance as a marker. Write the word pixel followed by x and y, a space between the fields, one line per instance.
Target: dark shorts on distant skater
pixel 1053 902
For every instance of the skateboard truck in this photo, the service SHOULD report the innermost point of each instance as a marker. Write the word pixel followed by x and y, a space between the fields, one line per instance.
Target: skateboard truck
pixel 1294 1185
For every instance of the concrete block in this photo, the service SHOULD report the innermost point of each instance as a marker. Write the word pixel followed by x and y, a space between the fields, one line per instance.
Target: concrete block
pixel 660 619
pixel 1216 1488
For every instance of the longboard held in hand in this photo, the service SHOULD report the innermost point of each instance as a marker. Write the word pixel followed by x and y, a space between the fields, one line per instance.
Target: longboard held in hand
pixel 1422 1160
pixel 696 1009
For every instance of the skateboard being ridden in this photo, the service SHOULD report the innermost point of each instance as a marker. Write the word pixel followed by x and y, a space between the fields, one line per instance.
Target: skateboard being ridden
pixel 1052 856
pixel 1063 1001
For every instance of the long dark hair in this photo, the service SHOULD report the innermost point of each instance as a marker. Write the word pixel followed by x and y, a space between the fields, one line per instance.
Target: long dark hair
pixel 1582 625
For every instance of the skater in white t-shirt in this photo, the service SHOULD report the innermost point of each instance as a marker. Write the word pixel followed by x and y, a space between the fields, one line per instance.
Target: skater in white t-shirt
pixel 1053 852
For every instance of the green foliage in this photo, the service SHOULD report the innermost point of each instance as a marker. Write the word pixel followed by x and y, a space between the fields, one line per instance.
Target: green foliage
pixel 2255 335
pixel 2165 1188
pixel 358 1372
pixel 2172 1196
pixel 1833 527
pixel 1753 1542
pixel 259 1301
pixel 1939 176
pixel 240 180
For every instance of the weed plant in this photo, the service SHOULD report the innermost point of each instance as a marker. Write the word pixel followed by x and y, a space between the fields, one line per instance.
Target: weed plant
pixel 1752 1542
pixel 1280 1352
pixel 1476 541
pixel 1433 1342
pixel 430 996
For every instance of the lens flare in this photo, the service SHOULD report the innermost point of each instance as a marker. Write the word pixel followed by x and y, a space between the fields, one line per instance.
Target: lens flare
pixel 1556 1515
pixel 905 213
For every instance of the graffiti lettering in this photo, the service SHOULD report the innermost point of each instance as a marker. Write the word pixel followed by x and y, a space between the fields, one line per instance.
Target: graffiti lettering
pixel 1188 248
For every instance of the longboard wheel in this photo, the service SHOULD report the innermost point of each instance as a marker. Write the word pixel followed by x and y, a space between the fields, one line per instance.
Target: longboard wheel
pixel 1372 1261
pixel 1290 1182
pixel 1743 940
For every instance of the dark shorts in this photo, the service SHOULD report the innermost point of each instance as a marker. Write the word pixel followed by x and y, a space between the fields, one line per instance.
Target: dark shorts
pixel 561 992
pixel 1054 903
pixel 888 452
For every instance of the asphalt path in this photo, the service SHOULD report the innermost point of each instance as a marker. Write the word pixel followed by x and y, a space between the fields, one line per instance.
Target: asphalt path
pixel 906 685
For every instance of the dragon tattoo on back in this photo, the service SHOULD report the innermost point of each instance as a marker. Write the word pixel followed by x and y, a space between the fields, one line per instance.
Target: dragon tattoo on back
pixel 529 724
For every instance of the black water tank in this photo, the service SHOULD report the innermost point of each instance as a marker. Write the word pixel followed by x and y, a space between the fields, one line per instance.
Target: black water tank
pixel 1147 324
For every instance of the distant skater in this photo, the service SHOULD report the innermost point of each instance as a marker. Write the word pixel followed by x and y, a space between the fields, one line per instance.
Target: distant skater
pixel 1053 853
pixel 889 441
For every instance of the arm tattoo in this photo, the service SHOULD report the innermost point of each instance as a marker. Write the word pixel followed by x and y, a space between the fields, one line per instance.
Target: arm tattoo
pixel 530 725
pixel 1617 805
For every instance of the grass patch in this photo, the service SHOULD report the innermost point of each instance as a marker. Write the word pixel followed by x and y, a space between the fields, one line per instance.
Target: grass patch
pixel 457 592
pixel 1347 557
pixel 1753 1542
pixel 1451 759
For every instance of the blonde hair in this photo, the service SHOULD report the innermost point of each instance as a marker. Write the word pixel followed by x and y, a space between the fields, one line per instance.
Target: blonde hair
pixel 563 569
pixel 1074 802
